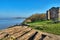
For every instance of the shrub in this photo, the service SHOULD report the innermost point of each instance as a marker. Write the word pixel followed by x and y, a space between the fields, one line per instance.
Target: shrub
pixel 36 17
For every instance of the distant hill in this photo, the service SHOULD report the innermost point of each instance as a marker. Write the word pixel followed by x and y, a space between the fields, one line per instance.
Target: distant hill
pixel 9 18
pixel 20 17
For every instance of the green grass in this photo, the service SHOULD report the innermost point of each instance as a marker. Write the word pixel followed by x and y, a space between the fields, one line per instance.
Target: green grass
pixel 46 26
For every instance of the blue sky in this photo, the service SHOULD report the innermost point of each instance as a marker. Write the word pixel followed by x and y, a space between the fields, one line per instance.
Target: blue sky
pixel 25 8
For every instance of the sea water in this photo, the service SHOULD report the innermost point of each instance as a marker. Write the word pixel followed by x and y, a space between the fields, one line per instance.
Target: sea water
pixel 5 23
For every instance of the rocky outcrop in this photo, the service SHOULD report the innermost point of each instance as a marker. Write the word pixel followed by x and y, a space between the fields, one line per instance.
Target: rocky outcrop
pixel 25 33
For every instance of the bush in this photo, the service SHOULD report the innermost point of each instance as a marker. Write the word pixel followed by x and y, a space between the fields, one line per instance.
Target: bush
pixel 36 17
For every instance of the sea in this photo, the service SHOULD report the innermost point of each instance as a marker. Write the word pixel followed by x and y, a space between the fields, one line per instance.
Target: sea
pixel 8 22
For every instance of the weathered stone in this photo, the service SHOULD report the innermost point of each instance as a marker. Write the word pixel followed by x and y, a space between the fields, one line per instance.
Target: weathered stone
pixel 53 14
pixel 26 33
pixel 27 36
pixel 16 35
pixel 3 35
pixel 38 36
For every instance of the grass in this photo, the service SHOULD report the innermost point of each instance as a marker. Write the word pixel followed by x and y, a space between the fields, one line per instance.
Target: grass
pixel 46 26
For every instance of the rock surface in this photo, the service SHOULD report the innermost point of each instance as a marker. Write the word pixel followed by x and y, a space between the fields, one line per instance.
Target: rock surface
pixel 25 33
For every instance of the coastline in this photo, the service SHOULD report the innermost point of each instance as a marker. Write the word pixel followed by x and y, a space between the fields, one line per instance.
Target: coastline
pixel 25 32
pixel 8 23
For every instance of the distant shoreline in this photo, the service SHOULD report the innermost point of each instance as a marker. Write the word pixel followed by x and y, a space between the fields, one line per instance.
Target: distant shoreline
pixel 10 22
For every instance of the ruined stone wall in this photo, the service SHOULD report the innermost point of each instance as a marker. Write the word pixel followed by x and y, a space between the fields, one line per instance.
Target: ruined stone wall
pixel 48 15
pixel 53 13
pixel 59 15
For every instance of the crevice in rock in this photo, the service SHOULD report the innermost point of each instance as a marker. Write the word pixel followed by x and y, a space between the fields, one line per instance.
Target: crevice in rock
pixel 6 35
pixel 23 34
pixel 43 36
pixel 32 37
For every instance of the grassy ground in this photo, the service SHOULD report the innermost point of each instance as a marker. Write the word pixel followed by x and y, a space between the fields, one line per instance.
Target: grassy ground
pixel 46 26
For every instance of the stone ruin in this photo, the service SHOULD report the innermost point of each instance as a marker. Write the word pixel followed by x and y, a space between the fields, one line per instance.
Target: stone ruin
pixel 53 14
